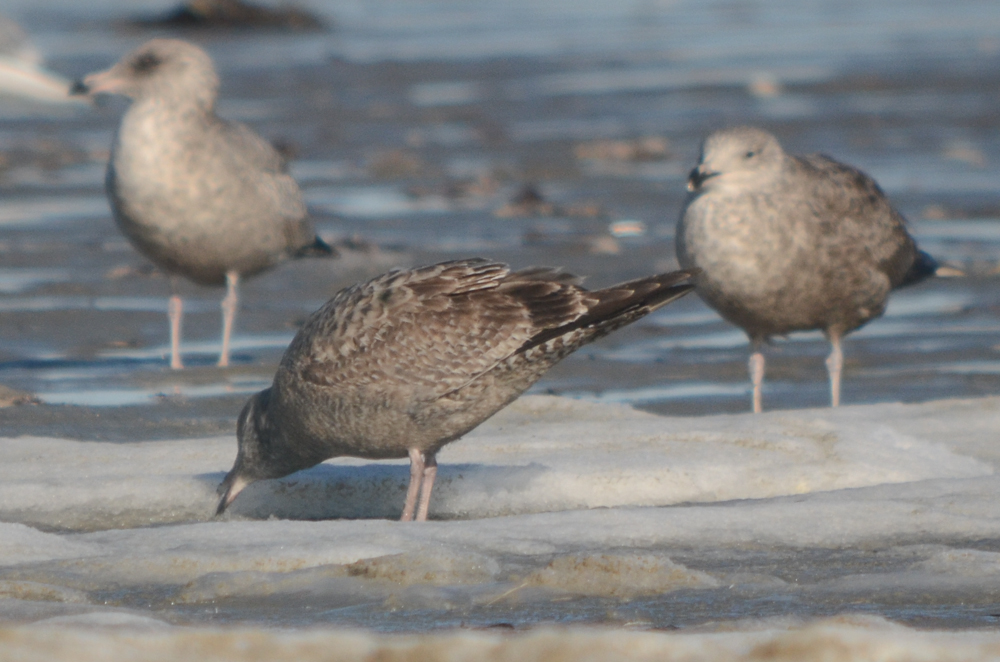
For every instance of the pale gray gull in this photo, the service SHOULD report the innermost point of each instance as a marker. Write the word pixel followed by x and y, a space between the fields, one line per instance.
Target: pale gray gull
pixel 201 197
pixel 412 360
pixel 792 243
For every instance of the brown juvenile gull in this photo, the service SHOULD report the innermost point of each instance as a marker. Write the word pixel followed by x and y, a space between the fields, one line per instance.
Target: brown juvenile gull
pixel 201 197
pixel 792 243
pixel 414 359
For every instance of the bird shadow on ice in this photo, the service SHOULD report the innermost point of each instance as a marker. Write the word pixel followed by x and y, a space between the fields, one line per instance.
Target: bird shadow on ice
pixel 377 490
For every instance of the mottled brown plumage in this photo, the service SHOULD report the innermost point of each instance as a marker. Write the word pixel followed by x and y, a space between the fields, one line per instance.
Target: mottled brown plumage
pixel 414 359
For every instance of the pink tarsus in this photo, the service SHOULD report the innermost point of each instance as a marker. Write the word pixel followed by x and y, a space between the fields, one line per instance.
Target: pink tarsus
pixel 423 471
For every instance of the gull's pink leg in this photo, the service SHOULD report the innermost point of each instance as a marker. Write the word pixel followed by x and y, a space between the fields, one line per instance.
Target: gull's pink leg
pixel 756 365
pixel 416 475
pixel 228 314
pixel 430 472
pixel 175 310
pixel 834 365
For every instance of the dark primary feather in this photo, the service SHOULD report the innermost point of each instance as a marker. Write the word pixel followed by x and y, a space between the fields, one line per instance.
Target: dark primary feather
pixel 617 306
pixel 318 248
pixel 924 266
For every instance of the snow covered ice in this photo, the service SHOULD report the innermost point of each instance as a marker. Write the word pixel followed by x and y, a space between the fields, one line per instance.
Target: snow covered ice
pixel 555 511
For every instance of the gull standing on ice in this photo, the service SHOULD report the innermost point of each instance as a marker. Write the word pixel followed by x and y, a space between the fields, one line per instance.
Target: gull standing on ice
pixel 792 243
pixel 414 359
pixel 201 197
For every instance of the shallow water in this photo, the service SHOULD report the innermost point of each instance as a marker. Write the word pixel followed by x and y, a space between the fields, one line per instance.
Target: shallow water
pixel 413 124
pixel 901 94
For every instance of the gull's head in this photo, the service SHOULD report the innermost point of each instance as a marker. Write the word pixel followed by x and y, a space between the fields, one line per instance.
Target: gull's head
pixel 737 158
pixel 165 69
pixel 251 456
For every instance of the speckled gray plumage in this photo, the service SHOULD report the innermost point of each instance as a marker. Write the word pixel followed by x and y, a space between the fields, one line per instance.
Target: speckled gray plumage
pixel 414 359
pixel 789 243
pixel 201 197
pixel 198 195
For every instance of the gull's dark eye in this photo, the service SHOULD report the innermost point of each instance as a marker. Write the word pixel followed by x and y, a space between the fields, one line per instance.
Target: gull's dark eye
pixel 750 154
pixel 145 63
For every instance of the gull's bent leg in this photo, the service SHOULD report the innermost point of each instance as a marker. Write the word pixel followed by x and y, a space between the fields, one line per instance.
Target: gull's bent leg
pixel 416 476
pixel 430 473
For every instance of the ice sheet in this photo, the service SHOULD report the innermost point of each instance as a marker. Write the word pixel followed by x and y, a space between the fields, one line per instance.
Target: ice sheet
pixel 567 475
pixel 611 509
pixel 543 454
